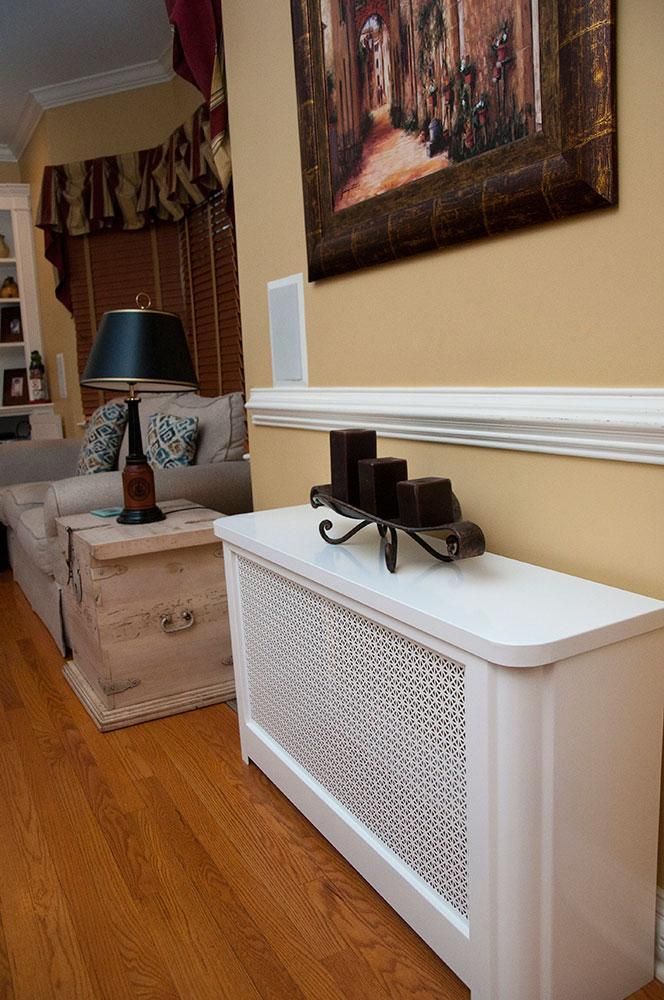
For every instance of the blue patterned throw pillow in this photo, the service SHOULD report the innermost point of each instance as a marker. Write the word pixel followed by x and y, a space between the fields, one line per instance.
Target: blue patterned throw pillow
pixel 171 441
pixel 103 436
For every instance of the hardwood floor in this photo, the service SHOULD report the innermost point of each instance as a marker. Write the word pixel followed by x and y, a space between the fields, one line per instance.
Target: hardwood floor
pixel 152 863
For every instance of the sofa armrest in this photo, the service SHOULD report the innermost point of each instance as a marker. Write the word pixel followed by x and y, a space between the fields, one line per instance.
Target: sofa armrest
pixel 222 486
pixel 37 461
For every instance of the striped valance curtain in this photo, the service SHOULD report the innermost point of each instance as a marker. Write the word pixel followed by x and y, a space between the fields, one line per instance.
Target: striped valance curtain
pixel 198 56
pixel 126 191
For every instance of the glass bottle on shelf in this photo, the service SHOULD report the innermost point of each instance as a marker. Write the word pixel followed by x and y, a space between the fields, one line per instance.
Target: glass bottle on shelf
pixel 38 391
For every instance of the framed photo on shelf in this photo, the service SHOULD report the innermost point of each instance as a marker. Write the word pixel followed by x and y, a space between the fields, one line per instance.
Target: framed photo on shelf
pixel 15 387
pixel 11 330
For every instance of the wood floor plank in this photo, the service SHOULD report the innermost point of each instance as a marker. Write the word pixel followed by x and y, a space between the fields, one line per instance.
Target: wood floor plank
pixel 653 991
pixel 270 808
pixel 283 922
pixel 262 846
pixel 22 934
pixel 19 674
pixel 26 854
pixel 50 714
pixel 233 893
pixel 5 733
pixel 116 942
pixel 70 717
pixel 232 920
pixel 16 615
pixel 51 706
pixel 185 929
pixel 240 784
pixel 8 694
pixel 378 931
pixel 375 946
pixel 353 977
pixel 6 982
pixel 129 759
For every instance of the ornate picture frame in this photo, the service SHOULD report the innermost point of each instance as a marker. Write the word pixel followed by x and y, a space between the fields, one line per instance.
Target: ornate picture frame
pixel 568 165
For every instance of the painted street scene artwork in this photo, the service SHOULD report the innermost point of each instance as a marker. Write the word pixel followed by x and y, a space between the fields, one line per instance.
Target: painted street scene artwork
pixel 418 86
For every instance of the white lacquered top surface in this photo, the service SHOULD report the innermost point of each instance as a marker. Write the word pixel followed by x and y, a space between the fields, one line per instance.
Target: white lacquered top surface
pixel 508 612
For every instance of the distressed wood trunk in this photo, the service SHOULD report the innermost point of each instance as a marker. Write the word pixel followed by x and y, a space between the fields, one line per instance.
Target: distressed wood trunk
pixel 146 614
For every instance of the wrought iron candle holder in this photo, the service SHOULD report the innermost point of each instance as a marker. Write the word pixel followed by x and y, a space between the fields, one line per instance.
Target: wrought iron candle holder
pixel 463 539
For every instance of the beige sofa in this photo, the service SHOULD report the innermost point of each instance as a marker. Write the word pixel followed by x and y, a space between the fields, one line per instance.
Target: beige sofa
pixel 38 484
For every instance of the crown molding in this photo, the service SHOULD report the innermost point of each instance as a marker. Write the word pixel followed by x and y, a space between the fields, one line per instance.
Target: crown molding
pixel 30 117
pixel 84 88
pixel 165 60
pixel 101 84
pixel 625 425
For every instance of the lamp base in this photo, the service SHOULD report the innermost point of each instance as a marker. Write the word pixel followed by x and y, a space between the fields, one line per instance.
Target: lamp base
pixel 139 501
pixel 141 516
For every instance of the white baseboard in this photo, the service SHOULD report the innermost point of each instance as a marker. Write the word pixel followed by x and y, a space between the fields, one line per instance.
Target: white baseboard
pixel 659 936
pixel 625 425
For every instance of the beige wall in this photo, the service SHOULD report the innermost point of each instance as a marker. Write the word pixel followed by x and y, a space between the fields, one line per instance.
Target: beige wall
pixel 119 123
pixel 10 173
pixel 578 303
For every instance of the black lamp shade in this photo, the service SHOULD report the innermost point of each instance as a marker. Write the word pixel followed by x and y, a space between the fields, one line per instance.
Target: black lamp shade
pixel 142 347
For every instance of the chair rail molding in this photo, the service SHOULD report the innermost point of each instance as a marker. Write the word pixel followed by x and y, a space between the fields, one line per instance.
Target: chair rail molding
pixel 626 425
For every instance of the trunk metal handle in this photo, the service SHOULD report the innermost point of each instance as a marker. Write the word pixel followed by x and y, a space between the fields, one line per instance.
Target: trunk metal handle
pixel 169 626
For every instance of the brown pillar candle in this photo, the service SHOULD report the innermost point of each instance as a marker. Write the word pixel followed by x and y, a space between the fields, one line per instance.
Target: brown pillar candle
pixel 378 485
pixel 347 447
pixel 425 502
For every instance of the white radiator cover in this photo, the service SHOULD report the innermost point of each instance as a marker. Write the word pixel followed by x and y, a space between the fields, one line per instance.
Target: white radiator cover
pixel 377 719
pixel 465 735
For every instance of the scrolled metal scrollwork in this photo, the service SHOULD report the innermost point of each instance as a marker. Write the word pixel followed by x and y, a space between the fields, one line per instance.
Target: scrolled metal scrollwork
pixel 463 539
pixel 326 526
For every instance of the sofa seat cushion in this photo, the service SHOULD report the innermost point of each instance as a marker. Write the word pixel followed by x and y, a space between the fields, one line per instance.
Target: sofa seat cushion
pixel 16 500
pixel 31 533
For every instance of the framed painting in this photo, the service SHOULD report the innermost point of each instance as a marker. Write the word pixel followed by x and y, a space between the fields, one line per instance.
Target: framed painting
pixel 425 123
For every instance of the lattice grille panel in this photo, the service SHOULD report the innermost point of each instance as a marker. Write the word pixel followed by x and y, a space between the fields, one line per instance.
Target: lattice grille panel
pixel 376 718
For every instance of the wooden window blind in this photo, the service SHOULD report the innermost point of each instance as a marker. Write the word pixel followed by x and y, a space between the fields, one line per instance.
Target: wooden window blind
pixel 188 268
pixel 207 251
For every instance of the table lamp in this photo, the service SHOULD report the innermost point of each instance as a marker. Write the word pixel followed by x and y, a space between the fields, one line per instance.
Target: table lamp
pixel 146 349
